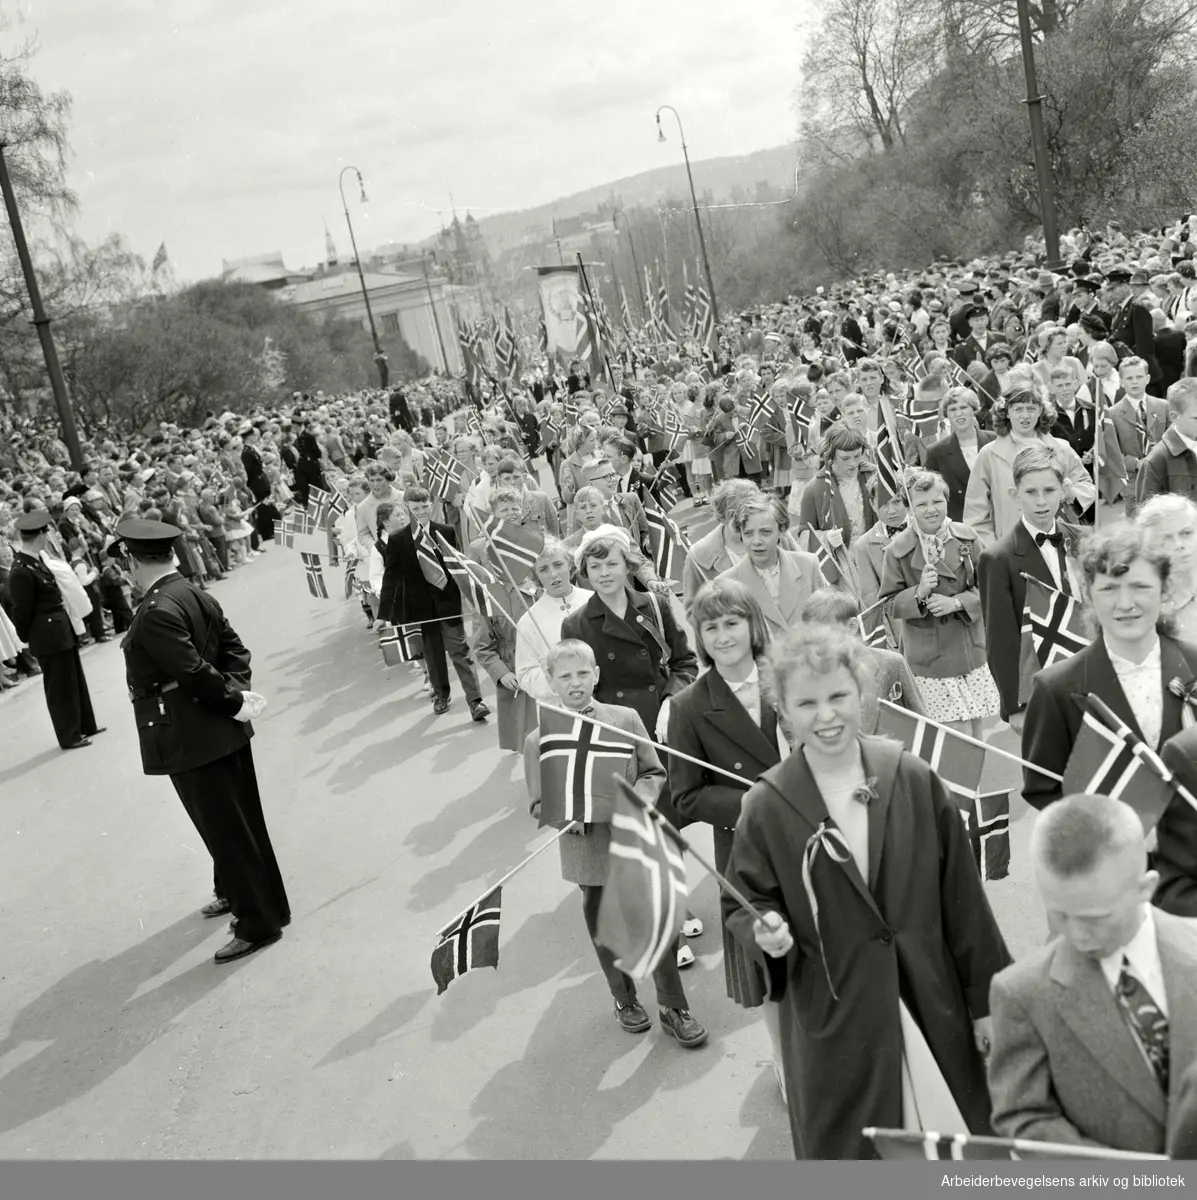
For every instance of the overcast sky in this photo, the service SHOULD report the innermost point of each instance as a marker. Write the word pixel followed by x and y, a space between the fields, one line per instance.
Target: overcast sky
pixel 219 126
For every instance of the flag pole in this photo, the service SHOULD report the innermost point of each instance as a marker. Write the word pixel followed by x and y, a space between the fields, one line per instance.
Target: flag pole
pixel 972 741
pixel 516 869
pixel 635 737
pixel 723 881
pixel 593 317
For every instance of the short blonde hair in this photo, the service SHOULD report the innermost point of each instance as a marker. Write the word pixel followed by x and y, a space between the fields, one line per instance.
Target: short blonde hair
pixel 819 650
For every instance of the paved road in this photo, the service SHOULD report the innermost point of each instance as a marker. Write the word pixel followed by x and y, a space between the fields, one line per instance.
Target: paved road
pixel 119 1038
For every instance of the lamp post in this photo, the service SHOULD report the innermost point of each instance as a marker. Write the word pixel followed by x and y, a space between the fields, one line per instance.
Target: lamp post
pixel 1043 166
pixel 379 357
pixel 41 322
pixel 702 242
pixel 635 265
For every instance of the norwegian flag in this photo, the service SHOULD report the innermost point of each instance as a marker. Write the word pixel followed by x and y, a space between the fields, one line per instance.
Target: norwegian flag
pixel 315 576
pixel 644 900
pixel 876 638
pixel 400 644
pixel 625 313
pixel 957 761
pixel 689 305
pixel 663 307
pixel 1108 759
pixel 1053 621
pixel 319 507
pixel 988 821
pixel 517 547
pixel 446 476
pixel 579 763
pixel 921 427
pixel 507 355
pixel 339 503
pixel 806 421
pixel 704 319
pixel 284 535
pixel 825 557
pixel 468 943
pixel 1112 473
pixel 666 541
pixel 299 523
pixel 426 558
pixel 473 581
pixel 667 487
pixel 758 414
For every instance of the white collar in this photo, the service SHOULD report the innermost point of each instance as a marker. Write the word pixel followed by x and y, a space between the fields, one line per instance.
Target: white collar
pixel 753 680
pixel 1142 951
pixel 1036 532
pixel 1124 666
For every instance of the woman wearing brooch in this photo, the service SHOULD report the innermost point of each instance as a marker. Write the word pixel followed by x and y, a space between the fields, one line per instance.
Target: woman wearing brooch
pixel 876 931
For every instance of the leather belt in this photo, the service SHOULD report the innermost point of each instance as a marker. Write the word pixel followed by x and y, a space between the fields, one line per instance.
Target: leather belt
pixel 153 690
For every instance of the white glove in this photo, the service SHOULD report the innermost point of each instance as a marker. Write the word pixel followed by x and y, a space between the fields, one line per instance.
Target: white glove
pixel 253 706
pixel 663 721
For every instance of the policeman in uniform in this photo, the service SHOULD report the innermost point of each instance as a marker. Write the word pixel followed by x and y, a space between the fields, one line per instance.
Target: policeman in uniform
pixel 42 621
pixel 188 677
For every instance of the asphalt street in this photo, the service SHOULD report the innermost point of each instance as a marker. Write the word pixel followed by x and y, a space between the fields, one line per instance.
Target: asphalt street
pixel 120 1038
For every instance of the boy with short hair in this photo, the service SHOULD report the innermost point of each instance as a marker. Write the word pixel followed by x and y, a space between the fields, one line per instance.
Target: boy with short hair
pixel 1172 464
pixel 1043 547
pixel 573 674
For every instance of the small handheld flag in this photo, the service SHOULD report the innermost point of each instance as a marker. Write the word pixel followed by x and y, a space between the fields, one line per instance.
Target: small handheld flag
pixel 1054 622
pixel 400 644
pixel 315 576
pixel 468 943
pixel 429 565
pixel 579 764
pixel 957 762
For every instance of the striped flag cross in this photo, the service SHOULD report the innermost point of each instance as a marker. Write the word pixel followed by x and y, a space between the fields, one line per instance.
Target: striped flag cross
pixel 806 419
pixel 517 546
pixel 644 900
pixel 315 576
pixel 988 821
pixel 875 638
pixel 957 762
pixel 579 763
pixel 319 507
pixel 478 586
pixel 426 559
pixel 468 943
pixel 284 535
pixel 667 487
pixel 760 407
pixel 1109 759
pixel 1054 622
pixel 667 542
pixel 400 644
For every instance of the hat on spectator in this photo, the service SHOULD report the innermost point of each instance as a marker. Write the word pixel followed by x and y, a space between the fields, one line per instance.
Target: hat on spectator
pixel 1119 273
pixel 142 537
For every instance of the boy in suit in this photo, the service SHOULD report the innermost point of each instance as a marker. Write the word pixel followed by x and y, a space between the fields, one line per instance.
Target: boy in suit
pixel 1139 419
pixel 1093 1034
pixel 573 673
pixel 1172 464
pixel 1040 545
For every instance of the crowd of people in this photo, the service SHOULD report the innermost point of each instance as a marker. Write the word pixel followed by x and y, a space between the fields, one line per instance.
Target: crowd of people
pixel 1046 429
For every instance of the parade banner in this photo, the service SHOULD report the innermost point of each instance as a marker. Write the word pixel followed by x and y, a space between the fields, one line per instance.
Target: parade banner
pixel 560 303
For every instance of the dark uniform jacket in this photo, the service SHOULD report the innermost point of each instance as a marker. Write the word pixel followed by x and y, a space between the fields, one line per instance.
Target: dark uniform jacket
pixel 407 597
pixel 38 611
pixel 186 670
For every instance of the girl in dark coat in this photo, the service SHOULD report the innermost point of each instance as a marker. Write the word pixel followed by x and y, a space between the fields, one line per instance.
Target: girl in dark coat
pixel 875 919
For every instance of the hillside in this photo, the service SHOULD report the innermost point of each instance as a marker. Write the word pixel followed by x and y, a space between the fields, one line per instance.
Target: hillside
pixel 720 177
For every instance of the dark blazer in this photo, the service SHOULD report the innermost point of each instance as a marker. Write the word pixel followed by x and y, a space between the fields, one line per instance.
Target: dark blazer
pixel 186 669
pixel 407 596
pixel 1176 832
pixel 1182 1142
pixel 37 608
pixel 1170 467
pixel 707 721
pixel 1054 713
pixel 1078 429
pixel 1170 353
pixel 1132 326
pixel 970 349
pixel 632 669
pixel 947 459
pixel 1003 596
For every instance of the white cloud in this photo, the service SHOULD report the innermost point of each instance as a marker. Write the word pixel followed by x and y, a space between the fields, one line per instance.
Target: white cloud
pixel 220 128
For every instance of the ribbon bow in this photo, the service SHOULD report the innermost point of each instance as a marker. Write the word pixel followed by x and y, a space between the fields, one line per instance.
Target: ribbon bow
pixel 832 842
pixel 1186 693
pixel 1056 539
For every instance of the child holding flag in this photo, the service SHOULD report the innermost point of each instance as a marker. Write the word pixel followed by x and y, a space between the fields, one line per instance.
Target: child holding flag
pixel 586 758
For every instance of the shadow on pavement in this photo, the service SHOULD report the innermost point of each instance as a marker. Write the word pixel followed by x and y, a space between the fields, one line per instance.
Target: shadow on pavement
pixel 29 765
pixel 385 1025
pixel 93 1027
pixel 492 795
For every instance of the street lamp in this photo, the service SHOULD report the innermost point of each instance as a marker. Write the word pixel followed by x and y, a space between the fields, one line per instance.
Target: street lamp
pixel 379 357
pixel 1043 166
pixel 702 242
pixel 635 265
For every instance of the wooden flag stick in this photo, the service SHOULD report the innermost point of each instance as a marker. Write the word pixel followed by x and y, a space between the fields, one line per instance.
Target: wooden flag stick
pixel 972 741
pixel 519 866
pixel 635 737
pixel 723 881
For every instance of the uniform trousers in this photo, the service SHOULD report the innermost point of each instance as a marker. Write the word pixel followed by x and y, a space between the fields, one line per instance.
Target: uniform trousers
pixel 449 636
pixel 224 805
pixel 67 696
pixel 666 979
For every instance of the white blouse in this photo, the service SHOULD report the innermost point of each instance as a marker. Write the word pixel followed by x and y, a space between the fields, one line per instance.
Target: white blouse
pixel 542 621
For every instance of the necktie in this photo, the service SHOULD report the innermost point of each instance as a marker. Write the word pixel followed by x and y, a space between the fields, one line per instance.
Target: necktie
pixel 1057 540
pixel 1147 1023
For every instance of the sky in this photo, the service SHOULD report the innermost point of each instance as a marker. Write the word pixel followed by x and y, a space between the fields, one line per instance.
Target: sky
pixel 219 127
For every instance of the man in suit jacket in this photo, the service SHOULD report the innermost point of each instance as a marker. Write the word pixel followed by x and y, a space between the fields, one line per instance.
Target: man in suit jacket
pixel 1169 350
pixel 1139 419
pixel 623 508
pixel 631 480
pixel 979 341
pixel 42 622
pixel 1171 467
pixel 1041 546
pixel 417 590
pixel 1093 1033
pixel 1130 322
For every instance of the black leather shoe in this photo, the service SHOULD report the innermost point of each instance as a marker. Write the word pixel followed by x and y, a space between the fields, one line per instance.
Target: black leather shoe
pixel 440 706
pixel 95 732
pixel 216 908
pixel 239 948
pixel 631 1017
pixel 479 711
pixel 679 1023
pixel 79 745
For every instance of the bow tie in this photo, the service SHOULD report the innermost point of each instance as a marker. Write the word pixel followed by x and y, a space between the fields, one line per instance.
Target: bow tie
pixel 1056 539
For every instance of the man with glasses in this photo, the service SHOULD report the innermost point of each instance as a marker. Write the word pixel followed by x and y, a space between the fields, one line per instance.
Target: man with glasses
pixel 623 508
